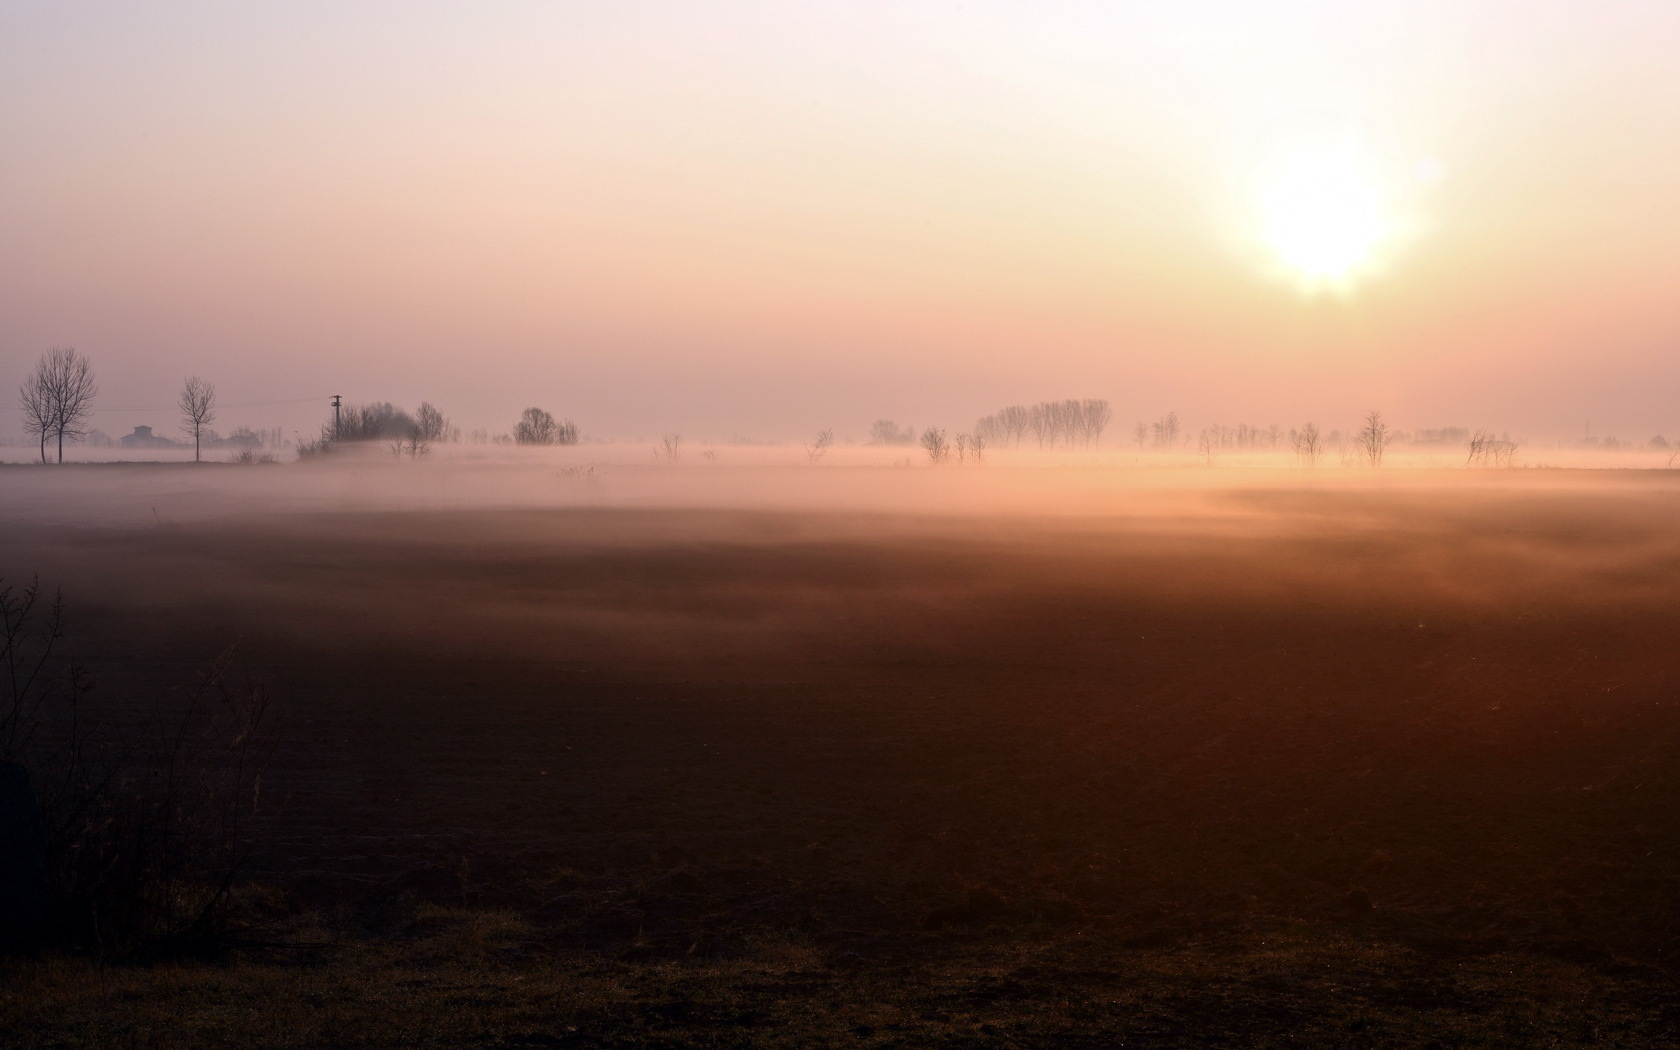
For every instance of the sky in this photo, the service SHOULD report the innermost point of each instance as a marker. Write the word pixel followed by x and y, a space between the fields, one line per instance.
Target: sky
pixel 757 220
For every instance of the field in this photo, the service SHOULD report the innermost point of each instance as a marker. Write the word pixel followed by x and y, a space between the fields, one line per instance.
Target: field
pixel 902 757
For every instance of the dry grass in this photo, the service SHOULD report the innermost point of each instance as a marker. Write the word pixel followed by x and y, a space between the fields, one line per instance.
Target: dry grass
pixel 462 978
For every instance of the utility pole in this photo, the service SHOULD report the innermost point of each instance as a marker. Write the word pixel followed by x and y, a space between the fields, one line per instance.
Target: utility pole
pixel 337 400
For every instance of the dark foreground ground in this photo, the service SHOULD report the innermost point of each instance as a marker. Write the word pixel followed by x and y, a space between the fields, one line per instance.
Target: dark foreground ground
pixel 1292 766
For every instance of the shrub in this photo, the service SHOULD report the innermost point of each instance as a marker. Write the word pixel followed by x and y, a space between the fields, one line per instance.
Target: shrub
pixel 141 827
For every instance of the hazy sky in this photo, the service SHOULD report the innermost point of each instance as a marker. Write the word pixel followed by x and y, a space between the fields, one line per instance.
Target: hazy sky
pixel 764 218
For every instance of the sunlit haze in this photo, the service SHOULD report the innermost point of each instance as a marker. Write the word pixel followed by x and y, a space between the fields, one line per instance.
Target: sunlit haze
pixel 750 221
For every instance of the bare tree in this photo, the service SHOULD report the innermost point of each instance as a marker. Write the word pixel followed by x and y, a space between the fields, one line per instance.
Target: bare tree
pixel 431 425
pixel 36 402
pixel 1207 443
pixel 1097 415
pixel 63 384
pixel 198 410
pixel 1308 445
pixel 1373 438
pixel 670 447
pixel 1164 431
pixel 935 444
pixel 414 445
pixel 819 445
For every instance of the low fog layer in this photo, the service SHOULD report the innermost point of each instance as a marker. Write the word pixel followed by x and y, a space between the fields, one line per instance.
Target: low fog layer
pixel 861 479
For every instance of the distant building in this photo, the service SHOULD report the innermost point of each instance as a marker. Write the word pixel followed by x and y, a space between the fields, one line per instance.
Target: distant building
pixel 144 438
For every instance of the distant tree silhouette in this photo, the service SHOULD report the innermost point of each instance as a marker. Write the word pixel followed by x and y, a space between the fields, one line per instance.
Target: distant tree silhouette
pixel 375 421
pixel 819 445
pixel 1372 439
pixel 935 444
pixel 537 427
pixel 886 432
pixel 432 425
pixel 198 410
pixel 1163 432
pixel 1308 445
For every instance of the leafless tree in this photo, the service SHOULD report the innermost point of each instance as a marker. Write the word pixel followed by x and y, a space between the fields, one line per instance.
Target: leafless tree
pixel 432 425
pixel 1308 445
pixel 1372 440
pixel 58 396
pixel 36 402
pixel 1038 421
pixel 670 447
pixel 198 410
pixel 414 445
pixel 976 447
pixel 1015 420
pixel 1207 444
pixel 819 445
pixel 935 444
pixel 1164 431
pixel 1097 416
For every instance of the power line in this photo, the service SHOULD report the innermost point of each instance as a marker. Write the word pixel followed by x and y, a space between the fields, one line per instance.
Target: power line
pixel 171 408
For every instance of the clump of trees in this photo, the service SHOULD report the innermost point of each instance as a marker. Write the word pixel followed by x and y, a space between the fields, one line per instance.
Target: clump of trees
pixel 1163 433
pixel 1486 450
pixel 375 421
pixel 57 398
pixel 1073 423
pixel 887 432
pixel 1307 444
pixel 537 427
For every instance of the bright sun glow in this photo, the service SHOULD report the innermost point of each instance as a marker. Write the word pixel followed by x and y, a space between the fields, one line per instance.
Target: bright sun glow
pixel 1323 214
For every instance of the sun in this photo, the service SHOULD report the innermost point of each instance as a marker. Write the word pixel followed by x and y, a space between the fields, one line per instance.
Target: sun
pixel 1323 214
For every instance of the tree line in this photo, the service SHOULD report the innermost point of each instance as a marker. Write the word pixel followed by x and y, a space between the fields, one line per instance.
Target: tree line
pixel 1073 423
pixel 58 393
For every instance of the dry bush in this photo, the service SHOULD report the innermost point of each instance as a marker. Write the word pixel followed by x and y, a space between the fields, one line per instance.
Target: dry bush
pixel 140 824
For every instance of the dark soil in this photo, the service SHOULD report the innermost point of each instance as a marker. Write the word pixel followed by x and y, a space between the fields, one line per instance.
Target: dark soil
pixel 1414 728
